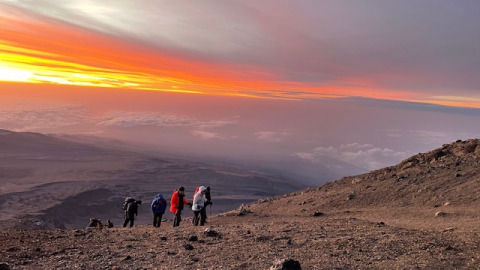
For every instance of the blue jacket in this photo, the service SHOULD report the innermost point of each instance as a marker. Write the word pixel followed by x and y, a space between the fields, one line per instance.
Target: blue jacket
pixel 159 204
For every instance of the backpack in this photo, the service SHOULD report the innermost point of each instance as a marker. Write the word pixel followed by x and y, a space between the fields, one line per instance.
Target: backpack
pixel 196 191
pixel 127 201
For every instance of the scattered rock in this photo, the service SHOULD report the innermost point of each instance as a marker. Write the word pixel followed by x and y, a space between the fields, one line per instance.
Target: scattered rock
pixel 449 230
pixel 446 204
pixel 5 266
pixel 381 224
pixel 210 232
pixel 127 258
pixel 193 238
pixel 243 211
pixel 356 180
pixel 13 249
pixel 262 238
pixel 350 196
pixel 317 214
pixel 188 247
pixel 286 265
pixel 457 175
pixel 440 214
pixel 195 259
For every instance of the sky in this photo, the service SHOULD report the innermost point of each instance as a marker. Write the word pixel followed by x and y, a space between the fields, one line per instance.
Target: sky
pixel 366 83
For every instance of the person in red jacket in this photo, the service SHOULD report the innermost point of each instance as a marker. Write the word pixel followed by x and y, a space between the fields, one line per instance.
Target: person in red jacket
pixel 176 205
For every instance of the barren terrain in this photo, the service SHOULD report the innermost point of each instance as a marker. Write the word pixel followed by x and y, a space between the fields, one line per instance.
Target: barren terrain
pixel 423 213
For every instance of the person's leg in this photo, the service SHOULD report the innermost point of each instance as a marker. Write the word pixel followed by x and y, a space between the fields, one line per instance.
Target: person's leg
pixel 125 222
pixel 176 219
pixel 159 222
pixel 131 222
pixel 154 220
pixel 195 218
pixel 203 216
pixel 179 217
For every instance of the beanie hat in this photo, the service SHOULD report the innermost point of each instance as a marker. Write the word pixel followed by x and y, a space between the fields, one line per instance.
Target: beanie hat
pixel 181 188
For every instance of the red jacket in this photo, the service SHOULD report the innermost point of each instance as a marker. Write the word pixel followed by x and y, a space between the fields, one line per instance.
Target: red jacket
pixel 174 202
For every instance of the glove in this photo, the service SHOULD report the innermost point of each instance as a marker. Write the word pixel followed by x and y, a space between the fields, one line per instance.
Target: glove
pixel 207 203
pixel 189 204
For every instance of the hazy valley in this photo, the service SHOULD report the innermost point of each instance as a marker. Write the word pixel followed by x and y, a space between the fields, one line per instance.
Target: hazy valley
pixel 50 182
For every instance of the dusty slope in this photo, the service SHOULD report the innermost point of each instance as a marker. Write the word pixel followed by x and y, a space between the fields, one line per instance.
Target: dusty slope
pixel 381 220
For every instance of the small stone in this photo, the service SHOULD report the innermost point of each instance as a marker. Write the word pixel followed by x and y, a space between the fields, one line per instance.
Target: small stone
pixel 188 247
pixel 193 238
pixel 262 238
pixel 13 249
pixel 5 266
pixel 440 214
pixel 210 232
pixel 286 265
pixel 317 214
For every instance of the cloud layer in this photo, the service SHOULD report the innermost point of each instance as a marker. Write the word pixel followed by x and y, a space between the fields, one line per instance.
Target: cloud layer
pixel 362 155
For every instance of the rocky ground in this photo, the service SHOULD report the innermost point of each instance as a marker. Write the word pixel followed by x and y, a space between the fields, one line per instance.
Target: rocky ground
pixel 334 240
pixel 423 213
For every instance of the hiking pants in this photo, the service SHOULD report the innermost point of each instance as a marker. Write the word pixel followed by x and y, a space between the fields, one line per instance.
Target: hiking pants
pixel 157 220
pixel 131 220
pixel 201 216
pixel 177 218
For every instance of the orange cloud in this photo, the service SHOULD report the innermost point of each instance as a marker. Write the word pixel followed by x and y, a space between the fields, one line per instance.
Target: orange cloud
pixel 36 49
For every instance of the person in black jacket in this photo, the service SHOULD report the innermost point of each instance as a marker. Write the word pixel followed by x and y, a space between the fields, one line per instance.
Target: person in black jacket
pixel 208 201
pixel 131 210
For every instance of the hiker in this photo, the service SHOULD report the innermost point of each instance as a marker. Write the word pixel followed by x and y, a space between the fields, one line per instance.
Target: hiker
pixel 109 224
pixel 199 203
pixel 158 208
pixel 208 196
pixel 176 205
pixel 131 210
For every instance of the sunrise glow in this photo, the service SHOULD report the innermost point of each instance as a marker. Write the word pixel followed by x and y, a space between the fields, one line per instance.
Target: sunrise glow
pixel 38 49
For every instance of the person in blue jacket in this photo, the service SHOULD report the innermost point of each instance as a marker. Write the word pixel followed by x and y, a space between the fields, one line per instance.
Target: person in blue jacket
pixel 159 204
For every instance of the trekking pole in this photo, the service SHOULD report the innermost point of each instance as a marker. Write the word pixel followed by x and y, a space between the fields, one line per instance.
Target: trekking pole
pixel 210 211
